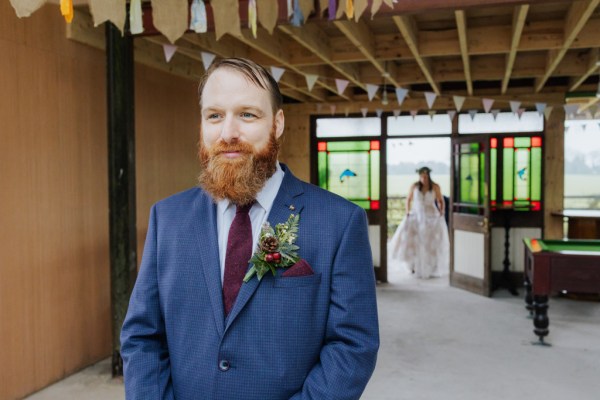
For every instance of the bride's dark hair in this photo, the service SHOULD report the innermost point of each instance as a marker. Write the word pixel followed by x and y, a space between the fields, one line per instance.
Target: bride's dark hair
pixel 425 170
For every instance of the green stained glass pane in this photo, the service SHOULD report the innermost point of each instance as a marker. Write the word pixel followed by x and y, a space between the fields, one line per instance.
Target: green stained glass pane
pixel 366 204
pixel 521 174
pixel 481 178
pixel 322 167
pixel 474 147
pixel 536 174
pixel 348 146
pixel 375 156
pixel 348 174
pixel 493 171
pixel 469 178
pixel 507 174
pixel 523 142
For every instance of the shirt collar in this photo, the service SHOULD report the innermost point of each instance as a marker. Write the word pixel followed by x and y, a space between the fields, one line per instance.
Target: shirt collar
pixel 266 197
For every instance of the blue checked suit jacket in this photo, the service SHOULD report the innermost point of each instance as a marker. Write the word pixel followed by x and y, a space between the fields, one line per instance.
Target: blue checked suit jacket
pixel 309 337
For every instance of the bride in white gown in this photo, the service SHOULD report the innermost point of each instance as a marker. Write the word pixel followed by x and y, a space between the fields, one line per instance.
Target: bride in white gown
pixel 420 243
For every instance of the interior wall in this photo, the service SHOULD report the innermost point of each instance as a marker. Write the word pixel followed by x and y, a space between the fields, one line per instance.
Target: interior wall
pixel 54 258
pixel 295 149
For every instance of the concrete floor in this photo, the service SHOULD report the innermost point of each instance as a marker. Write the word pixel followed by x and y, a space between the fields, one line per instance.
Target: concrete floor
pixel 440 342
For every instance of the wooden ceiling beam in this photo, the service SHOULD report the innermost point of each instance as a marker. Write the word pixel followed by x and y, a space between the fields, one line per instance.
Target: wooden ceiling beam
pixel 519 18
pixel 578 14
pixel 312 38
pixel 461 25
pixel 361 36
pixel 408 28
pixel 593 64
pixel 588 105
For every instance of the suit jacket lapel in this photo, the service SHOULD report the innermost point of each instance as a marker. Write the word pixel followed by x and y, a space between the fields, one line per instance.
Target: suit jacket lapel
pixel 288 201
pixel 208 245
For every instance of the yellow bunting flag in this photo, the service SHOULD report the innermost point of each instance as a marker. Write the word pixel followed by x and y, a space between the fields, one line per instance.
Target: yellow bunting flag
pixel 252 17
pixel 66 9
pixel 349 9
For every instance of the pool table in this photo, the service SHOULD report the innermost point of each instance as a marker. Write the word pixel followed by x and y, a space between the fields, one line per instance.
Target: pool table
pixel 552 266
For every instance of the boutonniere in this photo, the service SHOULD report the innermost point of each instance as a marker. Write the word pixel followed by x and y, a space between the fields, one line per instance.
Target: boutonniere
pixel 275 249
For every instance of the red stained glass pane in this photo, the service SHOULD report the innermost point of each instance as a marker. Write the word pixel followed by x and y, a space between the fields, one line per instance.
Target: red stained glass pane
pixel 536 206
pixel 374 144
pixel 536 141
pixel 509 142
pixel 507 203
pixel 322 146
pixel 374 204
pixel 493 143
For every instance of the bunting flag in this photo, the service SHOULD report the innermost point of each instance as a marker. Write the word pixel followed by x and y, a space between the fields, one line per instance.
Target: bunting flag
pixel 346 111
pixel 136 26
pixel 24 8
pixel 226 16
pixel 430 97
pixel 277 72
pixel 570 109
pixel 341 9
pixel 371 90
pixel 341 85
pixel 583 126
pixel 323 5
pixel 396 113
pixel 414 113
pixel 567 129
pixel 520 112
pixel 207 59
pixel 307 7
pixel 375 7
pixel 514 106
pixel 540 107
pixel 66 9
pixel 268 11
pixel 252 17
pixel 431 114
pixel 310 81
pixel 458 102
pixel 472 113
pixel 364 111
pixel 169 50
pixel 495 113
pixel 331 9
pixel 290 8
pixel 170 17
pixel 319 108
pixel 349 9
pixel 332 108
pixel 298 17
pixel 359 8
pixel 378 111
pixel 198 21
pixel 451 114
pixel 400 95
pixel 487 104
pixel 548 111
pixel 109 10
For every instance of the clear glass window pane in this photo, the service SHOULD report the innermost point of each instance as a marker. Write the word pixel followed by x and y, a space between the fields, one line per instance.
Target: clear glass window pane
pixel 582 164
pixel 505 122
pixel 406 125
pixel 340 127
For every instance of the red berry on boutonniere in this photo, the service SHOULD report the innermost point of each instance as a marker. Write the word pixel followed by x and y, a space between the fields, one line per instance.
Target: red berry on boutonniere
pixel 276 256
pixel 269 258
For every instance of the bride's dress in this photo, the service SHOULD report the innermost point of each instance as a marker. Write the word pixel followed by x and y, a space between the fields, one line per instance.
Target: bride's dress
pixel 421 241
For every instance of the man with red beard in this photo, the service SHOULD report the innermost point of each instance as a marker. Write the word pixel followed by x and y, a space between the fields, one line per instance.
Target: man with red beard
pixel 208 319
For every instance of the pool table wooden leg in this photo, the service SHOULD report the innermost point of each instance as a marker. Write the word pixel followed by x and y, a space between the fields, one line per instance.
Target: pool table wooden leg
pixel 528 296
pixel 540 319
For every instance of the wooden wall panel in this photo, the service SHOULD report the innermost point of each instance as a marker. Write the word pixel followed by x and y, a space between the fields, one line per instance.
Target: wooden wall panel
pixel 554 173
pixel 295 149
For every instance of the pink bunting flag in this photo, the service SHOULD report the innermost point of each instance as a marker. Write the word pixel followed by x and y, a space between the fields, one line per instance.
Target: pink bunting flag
pixel 396 113
pixel 514 106
pixel 341 85
pixel 451 114
pixel 414 113
pixel 371 90
pixel 277 73
pixel 310 81
pixel 520 112
pixel 169 50
pixel 487 104
pixel 430 98
pixel 458 102
pixel 401 94
pixel 364 111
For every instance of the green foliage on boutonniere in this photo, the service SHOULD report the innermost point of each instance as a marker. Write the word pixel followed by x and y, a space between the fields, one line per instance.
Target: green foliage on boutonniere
pixel 275 249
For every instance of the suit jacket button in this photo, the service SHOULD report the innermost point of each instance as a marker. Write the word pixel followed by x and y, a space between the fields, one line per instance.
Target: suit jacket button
pixel 224 365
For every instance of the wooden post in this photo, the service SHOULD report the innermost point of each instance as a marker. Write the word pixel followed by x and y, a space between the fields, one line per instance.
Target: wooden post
pixel 121 170
pixel 554 173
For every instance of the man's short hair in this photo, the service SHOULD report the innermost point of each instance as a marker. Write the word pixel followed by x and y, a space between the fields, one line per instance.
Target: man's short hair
pixel 252 71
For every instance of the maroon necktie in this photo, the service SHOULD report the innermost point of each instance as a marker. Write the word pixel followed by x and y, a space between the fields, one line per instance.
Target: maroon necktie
pixel 238 253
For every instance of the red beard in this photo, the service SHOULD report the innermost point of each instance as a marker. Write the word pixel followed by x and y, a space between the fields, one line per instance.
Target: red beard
pixel 241 178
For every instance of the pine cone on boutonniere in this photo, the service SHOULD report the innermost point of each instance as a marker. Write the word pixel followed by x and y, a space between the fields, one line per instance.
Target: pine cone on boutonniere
pixel 269 244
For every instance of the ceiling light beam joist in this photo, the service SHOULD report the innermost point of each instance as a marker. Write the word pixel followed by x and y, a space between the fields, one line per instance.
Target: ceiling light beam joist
pixel 519 17
pixel 461 25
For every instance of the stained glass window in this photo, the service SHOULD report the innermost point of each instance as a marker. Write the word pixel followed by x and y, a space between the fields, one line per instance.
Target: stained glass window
pixel 351 169
pixel 471 174
pixel 521 174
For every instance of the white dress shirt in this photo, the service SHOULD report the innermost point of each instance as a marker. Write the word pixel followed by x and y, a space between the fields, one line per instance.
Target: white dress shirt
pixel 258 214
